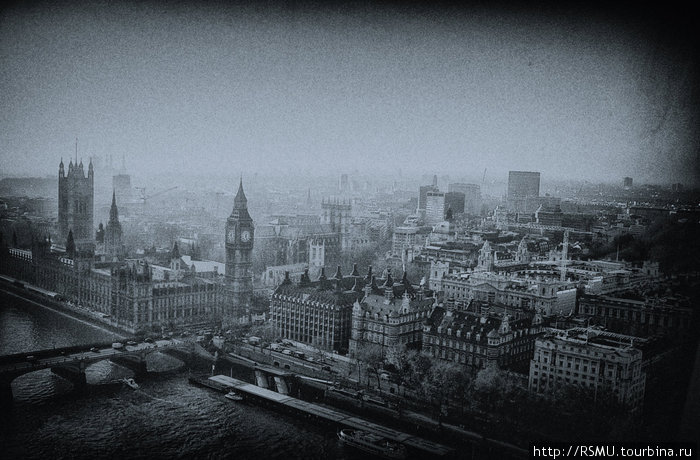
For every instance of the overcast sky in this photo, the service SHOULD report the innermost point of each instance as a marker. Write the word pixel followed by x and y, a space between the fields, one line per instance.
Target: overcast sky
pixel 239 89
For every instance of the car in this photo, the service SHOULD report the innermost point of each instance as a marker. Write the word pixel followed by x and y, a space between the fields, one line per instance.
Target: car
pixel 31 358
pixel 95 350
pixel 148 340
pixel 131 343
pixel 326 368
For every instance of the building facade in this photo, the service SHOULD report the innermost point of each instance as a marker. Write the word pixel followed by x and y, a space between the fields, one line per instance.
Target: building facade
pixel 646 317
pixel 390 314
pixel 317 313
pixel 479 336
pixel 599 361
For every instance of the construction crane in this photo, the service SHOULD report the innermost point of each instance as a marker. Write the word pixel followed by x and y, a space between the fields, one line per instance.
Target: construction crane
pixel 143 197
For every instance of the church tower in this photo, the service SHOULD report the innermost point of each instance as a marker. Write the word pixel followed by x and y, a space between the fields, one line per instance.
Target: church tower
pixel 239 257
pixel 113 233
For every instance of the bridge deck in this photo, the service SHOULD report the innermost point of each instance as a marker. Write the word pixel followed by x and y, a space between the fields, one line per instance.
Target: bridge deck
pixel 43 359
pixel 332 415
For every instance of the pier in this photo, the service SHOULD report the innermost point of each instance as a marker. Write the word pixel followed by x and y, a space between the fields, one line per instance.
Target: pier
pixel 225 383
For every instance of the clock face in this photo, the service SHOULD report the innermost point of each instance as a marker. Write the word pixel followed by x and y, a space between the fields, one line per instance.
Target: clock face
pixel 245 236
pixel 231 236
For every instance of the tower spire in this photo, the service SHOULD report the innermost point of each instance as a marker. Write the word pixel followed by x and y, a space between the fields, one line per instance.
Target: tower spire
pixel 240 202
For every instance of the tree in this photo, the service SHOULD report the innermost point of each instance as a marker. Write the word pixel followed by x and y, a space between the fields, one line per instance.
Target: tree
pixel 265 332
pixel 372 356
pixel 444 381
pixel 14 239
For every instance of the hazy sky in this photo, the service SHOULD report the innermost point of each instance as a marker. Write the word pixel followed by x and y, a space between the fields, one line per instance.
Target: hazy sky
pixel 206 88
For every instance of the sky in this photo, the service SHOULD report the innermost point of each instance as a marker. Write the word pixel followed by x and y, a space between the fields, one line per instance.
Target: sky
pixel 257 87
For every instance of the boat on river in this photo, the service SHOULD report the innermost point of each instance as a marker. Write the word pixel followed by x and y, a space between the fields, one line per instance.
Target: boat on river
pixel 233 396
pixel 132 383
pixel 372 443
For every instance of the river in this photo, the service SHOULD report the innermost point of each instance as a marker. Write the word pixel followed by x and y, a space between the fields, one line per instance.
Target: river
pixel 166 418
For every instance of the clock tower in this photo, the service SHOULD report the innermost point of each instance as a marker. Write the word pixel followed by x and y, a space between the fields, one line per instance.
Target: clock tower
pixel 239 257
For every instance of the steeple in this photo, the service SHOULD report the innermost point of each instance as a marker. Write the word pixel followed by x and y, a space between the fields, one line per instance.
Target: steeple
pixel 61 170
pixel 113 212
pixel 240 202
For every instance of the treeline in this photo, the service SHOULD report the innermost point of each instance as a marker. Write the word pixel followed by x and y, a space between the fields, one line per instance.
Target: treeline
pixel 675 245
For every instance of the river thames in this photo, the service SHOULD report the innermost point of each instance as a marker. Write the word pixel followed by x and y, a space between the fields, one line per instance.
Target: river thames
pixel 166 417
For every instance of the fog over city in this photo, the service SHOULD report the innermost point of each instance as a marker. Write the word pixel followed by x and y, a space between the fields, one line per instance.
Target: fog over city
pixel 206 88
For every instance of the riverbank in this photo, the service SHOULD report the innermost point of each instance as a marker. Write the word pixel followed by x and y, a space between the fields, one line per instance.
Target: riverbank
pixel 394 415
pixel 81 317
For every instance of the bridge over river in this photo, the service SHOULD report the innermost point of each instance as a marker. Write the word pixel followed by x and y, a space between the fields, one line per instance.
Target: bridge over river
pixel 71 362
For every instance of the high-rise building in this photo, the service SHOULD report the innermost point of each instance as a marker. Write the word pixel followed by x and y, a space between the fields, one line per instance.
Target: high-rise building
pixel 75 203
pixel 423 195
pixel 627 182
pixel 472 196
pixel 454 201
pixel 521 186
pixel 239 257
pixel 434 207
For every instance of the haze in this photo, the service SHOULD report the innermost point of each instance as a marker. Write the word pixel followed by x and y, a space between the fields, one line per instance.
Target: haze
pixel 213 89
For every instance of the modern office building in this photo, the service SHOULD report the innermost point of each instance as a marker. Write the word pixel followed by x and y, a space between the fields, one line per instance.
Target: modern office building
pixel 434 207
pixel 521 186
pixel 472 196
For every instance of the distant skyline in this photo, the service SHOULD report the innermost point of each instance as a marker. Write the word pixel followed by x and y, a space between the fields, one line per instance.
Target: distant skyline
pixel 209 88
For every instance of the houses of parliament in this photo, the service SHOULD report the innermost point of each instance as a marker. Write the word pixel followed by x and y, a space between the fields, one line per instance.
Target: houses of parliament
pixel 93 272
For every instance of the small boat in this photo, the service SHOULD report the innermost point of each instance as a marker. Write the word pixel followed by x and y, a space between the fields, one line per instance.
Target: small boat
pixel 372 443
pixel 132 383
pixel 233 396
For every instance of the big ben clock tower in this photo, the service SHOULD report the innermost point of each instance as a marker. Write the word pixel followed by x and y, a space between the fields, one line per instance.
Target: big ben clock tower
pixel 239 256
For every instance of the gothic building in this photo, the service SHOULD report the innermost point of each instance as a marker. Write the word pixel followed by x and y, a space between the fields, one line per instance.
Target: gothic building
pixel 113 247
pixel 478 335
pixel 75 203
pixel 337 214
pixel 390 314
pixel 239 257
